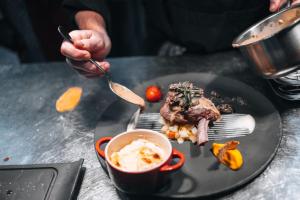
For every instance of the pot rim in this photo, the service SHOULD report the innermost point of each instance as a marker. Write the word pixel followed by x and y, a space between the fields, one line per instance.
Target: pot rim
pixel 236 41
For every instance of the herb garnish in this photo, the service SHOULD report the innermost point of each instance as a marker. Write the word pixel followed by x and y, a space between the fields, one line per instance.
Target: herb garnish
pixel 185 92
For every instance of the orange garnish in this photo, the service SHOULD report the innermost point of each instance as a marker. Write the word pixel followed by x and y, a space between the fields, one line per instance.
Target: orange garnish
pixel 69 99
pixel 228 154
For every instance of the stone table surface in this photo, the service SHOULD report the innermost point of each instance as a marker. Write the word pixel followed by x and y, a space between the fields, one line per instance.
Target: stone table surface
pixel 32 132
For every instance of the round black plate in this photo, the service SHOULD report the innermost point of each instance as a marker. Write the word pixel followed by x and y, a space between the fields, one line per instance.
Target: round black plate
pixel 202 175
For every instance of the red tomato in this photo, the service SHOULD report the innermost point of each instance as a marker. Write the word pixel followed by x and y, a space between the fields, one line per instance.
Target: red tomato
pixel 153 93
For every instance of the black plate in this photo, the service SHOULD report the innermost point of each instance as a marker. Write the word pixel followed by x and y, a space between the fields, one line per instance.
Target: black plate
pixel 201 175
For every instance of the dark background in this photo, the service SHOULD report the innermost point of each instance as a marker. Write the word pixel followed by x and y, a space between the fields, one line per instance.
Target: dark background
pixel 29 29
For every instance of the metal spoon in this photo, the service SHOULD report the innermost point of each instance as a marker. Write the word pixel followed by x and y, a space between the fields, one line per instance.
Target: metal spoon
pixel 116 88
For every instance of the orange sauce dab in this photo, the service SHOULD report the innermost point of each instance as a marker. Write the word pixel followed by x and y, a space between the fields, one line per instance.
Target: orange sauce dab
pixel 69 99
pixel 232 158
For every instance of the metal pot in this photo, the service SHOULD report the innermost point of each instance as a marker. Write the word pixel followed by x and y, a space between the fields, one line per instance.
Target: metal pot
pixel 275 53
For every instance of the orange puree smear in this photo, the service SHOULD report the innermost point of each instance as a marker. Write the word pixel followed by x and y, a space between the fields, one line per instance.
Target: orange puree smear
pixel 69 99
pixel 228 154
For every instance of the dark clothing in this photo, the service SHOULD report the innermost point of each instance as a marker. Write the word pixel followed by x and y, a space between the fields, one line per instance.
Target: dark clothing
pixel 17 31
pixel 95 5
pixel 200 26
pixel 204 26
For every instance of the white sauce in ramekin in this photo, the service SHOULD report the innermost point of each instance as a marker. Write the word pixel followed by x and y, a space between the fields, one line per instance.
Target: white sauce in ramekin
pixel 139 155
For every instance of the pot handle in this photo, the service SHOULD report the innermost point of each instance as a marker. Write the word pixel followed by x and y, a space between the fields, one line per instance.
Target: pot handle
pixel 175 154
pixel 99 143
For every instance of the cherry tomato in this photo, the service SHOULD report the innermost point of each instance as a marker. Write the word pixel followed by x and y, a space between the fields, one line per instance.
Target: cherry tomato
pixel 153 93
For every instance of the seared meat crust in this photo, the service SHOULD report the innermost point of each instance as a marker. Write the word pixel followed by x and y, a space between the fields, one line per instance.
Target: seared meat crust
pixel 185 104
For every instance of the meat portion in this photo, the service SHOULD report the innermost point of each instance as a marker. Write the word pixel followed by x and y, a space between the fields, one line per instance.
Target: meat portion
pixel 186 104
pixel 191 115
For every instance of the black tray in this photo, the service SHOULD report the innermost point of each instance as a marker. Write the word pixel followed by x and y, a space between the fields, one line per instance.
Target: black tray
pixel 59 181
pixel 201 175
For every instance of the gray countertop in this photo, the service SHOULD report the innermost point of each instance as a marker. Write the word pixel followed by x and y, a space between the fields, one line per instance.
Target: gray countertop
pixel 32 132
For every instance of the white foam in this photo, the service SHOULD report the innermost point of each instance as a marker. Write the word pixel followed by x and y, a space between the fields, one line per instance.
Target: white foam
pixel 241 122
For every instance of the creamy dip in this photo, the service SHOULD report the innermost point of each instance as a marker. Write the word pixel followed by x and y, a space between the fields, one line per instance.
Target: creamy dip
pixel 139 155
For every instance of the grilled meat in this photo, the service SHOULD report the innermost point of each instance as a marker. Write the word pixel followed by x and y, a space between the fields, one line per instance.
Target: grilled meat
pixel 186 104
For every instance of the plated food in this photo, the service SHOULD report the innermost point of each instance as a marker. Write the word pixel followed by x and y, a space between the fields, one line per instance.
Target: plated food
pixel 201 176
pixel 153 93
pixel 186 113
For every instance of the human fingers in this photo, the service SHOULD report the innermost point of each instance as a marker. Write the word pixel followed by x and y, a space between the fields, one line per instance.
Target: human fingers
pixel 70 51
pixel 83 39
pixel 86 40
pixel 98 45
pixel 92 44
pixel 295 2
pixel 80 34
pixel 87 68
pixel 276 4
pixel 89 74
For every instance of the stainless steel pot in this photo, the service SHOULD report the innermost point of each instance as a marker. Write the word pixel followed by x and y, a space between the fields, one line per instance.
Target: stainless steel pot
pixel 276 53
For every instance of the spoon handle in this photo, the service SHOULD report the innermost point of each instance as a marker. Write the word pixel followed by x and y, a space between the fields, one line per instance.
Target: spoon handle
pixel 107 75
pixel 64 34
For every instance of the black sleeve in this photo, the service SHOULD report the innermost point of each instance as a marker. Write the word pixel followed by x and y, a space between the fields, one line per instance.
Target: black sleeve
pixel 95 5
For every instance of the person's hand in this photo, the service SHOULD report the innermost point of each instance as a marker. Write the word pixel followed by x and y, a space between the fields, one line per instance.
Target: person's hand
pixel 276 4
pixel 87 44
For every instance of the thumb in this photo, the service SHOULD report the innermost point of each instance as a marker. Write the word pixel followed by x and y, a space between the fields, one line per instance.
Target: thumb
pixel 79 44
